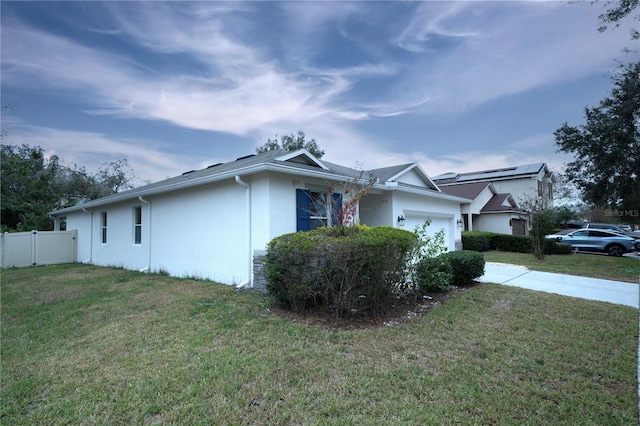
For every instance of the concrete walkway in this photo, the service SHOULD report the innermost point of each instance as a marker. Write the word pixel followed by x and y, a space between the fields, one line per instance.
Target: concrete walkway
pixel 617 292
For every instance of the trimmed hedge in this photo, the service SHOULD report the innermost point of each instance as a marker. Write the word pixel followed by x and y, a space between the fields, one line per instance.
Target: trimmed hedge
pixel 477 240
pixel 513 243
pixel 483 241
pixel 347 269
pixel 553 247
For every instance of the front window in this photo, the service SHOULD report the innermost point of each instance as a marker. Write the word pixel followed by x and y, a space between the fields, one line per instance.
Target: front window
pixel 312 209
pixel 318 210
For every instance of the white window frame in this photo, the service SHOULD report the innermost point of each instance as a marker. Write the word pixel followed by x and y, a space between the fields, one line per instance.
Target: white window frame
pixel 321 198
pixel 137 225
pixel 103 227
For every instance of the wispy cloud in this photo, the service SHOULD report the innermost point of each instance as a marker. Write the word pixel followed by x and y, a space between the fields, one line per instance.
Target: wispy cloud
pixel 484 51
pixel 433 22
pixel 491 50
pixel 235 89
pixel 150 160
pixel 258 69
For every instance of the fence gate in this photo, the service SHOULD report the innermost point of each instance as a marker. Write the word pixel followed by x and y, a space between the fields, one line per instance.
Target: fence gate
pixel 38 248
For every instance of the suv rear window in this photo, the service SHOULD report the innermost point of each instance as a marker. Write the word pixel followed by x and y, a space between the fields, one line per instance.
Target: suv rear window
pixel 602 226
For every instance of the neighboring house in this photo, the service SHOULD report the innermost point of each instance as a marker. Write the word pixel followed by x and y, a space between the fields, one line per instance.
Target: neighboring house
pixel 515 185
pixel 488 210
pixel 522 182
pixel 211 223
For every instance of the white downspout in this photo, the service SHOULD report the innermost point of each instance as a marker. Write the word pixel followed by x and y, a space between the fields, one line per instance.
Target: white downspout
pixel 56 222
pixel 248 282
pixel 90 237
pixel 148 203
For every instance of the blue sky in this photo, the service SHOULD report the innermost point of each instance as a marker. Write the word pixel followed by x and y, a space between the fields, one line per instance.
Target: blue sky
pixel 175 86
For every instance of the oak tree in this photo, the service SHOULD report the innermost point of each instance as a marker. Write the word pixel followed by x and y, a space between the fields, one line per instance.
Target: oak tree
pixel 606 148
pixel 291 142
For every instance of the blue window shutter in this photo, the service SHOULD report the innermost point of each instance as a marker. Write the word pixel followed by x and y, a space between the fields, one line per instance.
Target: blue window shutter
pixel 336 208
pixel 302 210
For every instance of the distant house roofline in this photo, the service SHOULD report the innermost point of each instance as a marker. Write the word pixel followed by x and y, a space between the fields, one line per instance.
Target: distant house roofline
pixel 491 175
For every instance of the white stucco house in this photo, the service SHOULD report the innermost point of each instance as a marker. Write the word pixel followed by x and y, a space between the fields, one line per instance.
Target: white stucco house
pixel 211 223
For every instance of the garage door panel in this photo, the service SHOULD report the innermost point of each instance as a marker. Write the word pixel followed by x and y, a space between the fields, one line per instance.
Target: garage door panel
pixel 411 222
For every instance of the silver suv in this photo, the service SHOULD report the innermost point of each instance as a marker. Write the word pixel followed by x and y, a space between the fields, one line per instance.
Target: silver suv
pixel 614 228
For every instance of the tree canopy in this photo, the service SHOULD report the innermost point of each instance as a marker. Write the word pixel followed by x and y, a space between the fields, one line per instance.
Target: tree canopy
pixel 620 9
pixel 607 147
pixel 291 142
pixel 27 187
pixel 33 184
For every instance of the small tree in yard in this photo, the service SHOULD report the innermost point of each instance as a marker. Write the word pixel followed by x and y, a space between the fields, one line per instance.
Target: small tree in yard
pixel 542 221
pixel 347 214
pixel 428 270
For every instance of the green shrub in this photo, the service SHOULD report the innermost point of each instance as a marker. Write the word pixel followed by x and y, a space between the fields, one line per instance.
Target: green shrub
pixel 477 240
pixel 483 241
pixel 351 268
pixel 293 271
pixel 433 274
pixel 466 266
pixel 512 243
pixel 553 247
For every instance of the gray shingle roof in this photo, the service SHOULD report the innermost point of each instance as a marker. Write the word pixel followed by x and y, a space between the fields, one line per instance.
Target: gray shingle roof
pixel 496 204
pixel 468 190
pixel 297 162
pixel 386 173
pixel 214 173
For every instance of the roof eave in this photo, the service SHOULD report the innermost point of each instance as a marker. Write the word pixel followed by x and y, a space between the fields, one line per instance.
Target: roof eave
pixel 134 194
pixel 421 191
pixel 422 173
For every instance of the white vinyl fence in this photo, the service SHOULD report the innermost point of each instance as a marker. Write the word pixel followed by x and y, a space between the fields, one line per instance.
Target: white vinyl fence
pixel 38 248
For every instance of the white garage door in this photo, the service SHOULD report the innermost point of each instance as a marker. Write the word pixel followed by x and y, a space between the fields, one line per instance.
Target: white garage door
pixel 437 223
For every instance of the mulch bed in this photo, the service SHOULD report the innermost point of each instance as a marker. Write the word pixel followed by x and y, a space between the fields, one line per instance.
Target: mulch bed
pixel 405 308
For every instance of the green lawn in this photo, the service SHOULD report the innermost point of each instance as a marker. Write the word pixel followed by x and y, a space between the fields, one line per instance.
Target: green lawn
pixel 582 264
pixel 89 345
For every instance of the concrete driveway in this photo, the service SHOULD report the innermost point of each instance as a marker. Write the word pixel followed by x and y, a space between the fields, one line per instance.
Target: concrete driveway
pixel 617 292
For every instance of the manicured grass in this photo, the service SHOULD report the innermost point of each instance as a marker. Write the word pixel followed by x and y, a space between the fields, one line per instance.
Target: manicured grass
pixel 89 345
pixel 582 264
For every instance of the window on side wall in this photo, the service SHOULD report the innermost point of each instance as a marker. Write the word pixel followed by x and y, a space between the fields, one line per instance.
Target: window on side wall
pixel 103 227
pixel 137 225
pixel 312 209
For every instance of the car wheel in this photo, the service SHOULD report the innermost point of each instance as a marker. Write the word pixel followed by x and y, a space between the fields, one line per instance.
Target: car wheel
pixel 616 250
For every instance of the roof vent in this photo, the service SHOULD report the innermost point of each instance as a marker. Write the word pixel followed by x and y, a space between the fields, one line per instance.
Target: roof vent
pixel 186 173
pixel 246 156
pixel 214 165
